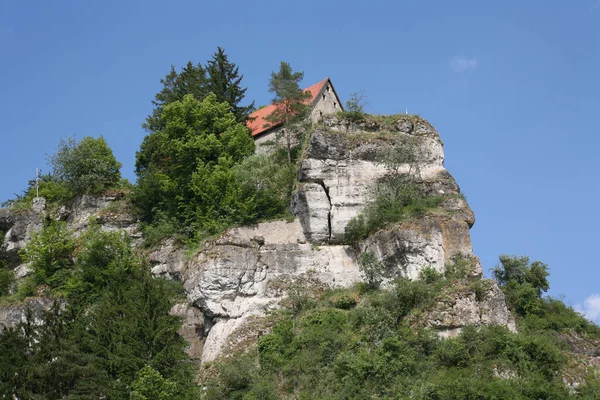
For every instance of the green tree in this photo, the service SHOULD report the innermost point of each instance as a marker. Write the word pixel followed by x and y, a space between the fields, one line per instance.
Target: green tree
pixel 87 166
pixel 224 81
pixel 522 282
pixel 150 385
pixel 7 279
pixel 268 183
pixel 290 101
pixel 185 169
pixel 191 80
pixel 50 254
pixel 354 108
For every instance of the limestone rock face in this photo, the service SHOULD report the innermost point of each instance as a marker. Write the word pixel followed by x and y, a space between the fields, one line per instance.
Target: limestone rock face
pixel 167 260
pixel 431 241
pixel 17 229
pixel 249 270
pixel 11 315
pixel 232 281
pixel 18 226
pixel 192 329
pixel 474 303
pixel 343 165
pixel 105 209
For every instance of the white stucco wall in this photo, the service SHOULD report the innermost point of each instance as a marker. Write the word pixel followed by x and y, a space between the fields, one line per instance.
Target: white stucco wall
pixel 267 142
pixel 327 103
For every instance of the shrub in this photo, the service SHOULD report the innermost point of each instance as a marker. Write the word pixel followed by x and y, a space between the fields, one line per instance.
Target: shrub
pixel 88 166
pixel 344 301
pixel 430 275
pixel 372 269
pixel 354 107
pixel 50 254
pixel 367 352
pixel 7 279
pixel 522 283
pixel 460 267
pixel 268 183
pixel 396 200
pixel 410 295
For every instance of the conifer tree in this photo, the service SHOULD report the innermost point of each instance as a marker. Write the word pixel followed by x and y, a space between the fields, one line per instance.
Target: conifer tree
pixel 224 81
pixel 191 80
pixel 290 101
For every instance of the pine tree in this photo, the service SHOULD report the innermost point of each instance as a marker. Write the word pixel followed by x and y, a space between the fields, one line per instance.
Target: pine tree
pixel 191 80
pixel 224 81
pixel 290 101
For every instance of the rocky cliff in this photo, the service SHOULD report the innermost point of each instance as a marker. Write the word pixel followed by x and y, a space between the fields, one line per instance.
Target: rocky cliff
pixel 249 270
pixel 233 280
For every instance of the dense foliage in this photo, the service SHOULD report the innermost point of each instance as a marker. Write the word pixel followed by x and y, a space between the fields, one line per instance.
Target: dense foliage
pixel 362 343
pixel 108 332
pixel 87 166
pixel 198 176
pixel 78 167
pixel 290 101
pixel 219 76
pixel 224 80
pixel 396 199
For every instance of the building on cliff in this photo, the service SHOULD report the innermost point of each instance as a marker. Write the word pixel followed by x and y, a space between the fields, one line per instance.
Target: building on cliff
pixel 324 100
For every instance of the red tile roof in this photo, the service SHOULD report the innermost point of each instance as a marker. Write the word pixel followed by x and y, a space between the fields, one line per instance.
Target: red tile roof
pixel 257 120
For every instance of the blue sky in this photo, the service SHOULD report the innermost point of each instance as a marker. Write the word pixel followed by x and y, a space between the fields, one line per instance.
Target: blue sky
pixel 513 88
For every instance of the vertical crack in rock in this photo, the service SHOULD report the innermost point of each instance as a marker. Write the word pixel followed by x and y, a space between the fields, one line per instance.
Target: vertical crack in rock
pixel 326 190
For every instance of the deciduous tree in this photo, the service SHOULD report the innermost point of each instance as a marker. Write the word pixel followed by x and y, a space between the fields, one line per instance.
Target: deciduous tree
pixel 87 166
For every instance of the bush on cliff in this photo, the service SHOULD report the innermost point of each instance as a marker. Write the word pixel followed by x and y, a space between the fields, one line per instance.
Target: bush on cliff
pixel 396 199
pixel 198 174
pixel 108 335
pixel 87 166
pixel 368 348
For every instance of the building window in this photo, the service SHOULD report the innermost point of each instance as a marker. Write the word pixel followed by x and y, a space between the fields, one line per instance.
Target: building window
pixel 323 96
pixel 334 104
pixel 320 113
pixel 328 88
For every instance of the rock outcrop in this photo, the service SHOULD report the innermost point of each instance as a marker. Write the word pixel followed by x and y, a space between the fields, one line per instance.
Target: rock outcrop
pixel 33 307
pixel 343 164
pixel 17 226
pixel 238 277
pixel 249 270
pixel 467 302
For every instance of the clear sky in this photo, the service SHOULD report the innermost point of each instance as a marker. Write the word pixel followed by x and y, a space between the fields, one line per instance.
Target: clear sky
pixel 513 88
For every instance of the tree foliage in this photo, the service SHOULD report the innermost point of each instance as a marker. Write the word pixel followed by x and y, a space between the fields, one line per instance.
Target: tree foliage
pixel 290 101
pixel 523 282
pixel 225 81
pixel 50 254
pixel 175 86
pixel 370 348
pixel 195 173
pixel 110 331
pixel 87 166
pixel 219 76
pixel 354 108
